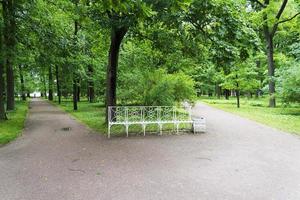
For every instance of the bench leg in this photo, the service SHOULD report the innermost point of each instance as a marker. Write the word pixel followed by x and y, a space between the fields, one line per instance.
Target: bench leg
pixel 126 130
pixel 160 129
pixel 144 129
pixel 193 128
pixel 108 133
pixel 177 128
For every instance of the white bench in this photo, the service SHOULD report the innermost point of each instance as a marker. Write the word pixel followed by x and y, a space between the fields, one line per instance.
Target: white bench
pixel 146 115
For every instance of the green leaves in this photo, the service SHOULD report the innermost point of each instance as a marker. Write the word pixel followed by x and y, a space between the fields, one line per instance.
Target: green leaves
pixel 290 81
pixel 161 88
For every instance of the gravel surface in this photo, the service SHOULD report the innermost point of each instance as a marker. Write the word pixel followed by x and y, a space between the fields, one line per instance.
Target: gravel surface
pixel 58 158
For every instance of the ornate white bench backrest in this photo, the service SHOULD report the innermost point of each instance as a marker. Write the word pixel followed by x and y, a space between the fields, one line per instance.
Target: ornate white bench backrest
pixel 148 114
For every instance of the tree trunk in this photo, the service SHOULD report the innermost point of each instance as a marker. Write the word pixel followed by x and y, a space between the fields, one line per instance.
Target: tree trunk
pixel 227 94
pixel 2 84
pixel 50 96
pixel 238 98
pixel 269 35
pixel 57 84
pixel 23 95
pixel 218 90
pixel 271 67
pixel 45 85
pixel 75 107
pixel 237 92
pixel 91 90
pixel 10 43
pixel 10 87
pixel 75 75
pixel 78 90
pixel 271 70
pixel 117 35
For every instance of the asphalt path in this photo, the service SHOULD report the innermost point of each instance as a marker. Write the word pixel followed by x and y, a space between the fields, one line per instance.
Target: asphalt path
pixel 57 158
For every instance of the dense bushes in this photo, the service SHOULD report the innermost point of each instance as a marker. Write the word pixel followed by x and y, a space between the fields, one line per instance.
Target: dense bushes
pixel 290 83
pixel 161 88
pixel 157 87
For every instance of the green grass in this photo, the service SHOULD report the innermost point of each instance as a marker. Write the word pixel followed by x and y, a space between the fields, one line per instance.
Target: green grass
pixel 11 129
pixel 282 117
pixel 93 115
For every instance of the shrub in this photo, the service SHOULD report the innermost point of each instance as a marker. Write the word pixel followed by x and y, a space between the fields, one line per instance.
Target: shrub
pixel 290 84
pixel 164 89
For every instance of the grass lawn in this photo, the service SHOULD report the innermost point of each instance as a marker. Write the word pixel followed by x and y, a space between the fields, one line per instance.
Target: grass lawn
pixel 282 117
pixel 93 115
pixel 12 128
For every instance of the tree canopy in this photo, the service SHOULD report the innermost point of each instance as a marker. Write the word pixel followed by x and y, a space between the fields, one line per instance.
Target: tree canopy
pixel 149 52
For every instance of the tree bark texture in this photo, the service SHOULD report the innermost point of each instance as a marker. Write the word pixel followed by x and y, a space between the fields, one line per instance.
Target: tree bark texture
pixel 2 85
pixel 75 76
pixel 75 106
pixel 50 95
pixel 269 32
pixel 271 65
pixel 45 85
pixel 23 93
pixel 9 53
pixel 237 91
pixel 58 84
pixel 78 90
pixel 91 90
pixel 117 35
pixel 226 93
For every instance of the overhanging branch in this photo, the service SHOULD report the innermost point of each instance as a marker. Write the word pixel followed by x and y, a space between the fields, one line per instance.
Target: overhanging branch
pixel 280 11
pixel 289 19
pixel 283 21
pixel 282 7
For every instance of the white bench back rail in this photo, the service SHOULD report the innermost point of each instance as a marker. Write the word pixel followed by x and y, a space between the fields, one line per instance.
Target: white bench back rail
pixel 145 115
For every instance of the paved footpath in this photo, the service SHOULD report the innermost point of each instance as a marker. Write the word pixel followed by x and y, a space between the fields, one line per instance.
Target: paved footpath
pixel 236 159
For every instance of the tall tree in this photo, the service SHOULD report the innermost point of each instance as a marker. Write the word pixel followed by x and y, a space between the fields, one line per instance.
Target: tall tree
pixel 9 17
pixel 50 75
pixel 57 84
pixel 270 27
pixel 75 74
pixel 23 95
pixel 91 89
pixel 2 83
pixel 117 35
pixel 120 17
